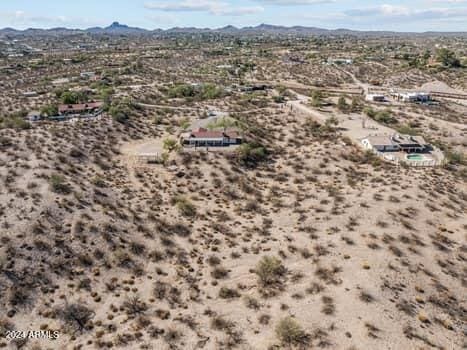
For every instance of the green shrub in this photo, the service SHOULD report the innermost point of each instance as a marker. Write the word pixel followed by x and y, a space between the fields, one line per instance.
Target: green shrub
pixel 14 122
pixel 171 145
pixel 73 97
pixel 270 271
pixel 251 154
pixel 456 158
pixel 228 293
pixel 203 92
pixel 58 184
pixel 316 98
pixel 184 205
pixel 342 105
pixel 290 332
pixel 278 99
pixel 49 110
pixel 448 58
pixel 119 114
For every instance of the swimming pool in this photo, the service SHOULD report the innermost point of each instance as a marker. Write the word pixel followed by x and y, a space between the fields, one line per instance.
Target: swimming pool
pixel 415 157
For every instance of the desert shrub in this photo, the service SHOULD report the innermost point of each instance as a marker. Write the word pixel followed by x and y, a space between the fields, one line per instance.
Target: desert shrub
pixel 59 185
pixel 119 114
pixel 278 99
pixel 342 104
pixel 203 92
pixel 72 97
pixel 316 98
pixel 406 129
pixel 122 110
pixel 290 332
pixel 76 316
pixel 170 145
pixel 134 306
pixel 219 272
pixel 455 158
pixel 184 205
pixel 252 303
pixel 228 293
pixel 251 154
pixel 14 122
pixel 448 58
pixel 49 110
pixel 384 116
pixel 270 271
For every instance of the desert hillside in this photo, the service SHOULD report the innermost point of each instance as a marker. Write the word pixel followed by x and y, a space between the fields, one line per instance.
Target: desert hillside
pixel 116 233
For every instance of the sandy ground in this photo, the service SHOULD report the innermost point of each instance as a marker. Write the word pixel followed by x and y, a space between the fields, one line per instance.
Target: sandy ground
pixel 439 86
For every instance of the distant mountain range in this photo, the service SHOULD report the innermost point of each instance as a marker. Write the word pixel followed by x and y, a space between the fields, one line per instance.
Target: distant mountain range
pixel 265 29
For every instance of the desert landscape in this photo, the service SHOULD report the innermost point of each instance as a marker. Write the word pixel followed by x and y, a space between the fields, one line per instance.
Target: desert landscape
pixel 233 189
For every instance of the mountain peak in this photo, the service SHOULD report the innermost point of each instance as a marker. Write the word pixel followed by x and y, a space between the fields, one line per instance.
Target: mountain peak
pixel 117 25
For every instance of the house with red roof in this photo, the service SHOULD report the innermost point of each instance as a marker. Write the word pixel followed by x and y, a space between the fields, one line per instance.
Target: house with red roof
pixel 202 137
pixel 80 108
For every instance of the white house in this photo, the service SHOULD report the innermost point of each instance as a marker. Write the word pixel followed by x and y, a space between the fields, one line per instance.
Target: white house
pixel 346 61
pixel 87 75
pixel 395 143
pixel 375 98
pixel 380 143
pixel 412 97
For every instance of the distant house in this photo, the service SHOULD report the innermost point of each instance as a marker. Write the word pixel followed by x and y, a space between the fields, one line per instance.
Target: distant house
pixel 60 81
pixel 259 87
pixel 87 75
pixel 340 61
pixel 412 97
pixel 204 138
pixel 396 143
pixel 30 94
pixel 34 116
pixel 80 108
pixel 375 98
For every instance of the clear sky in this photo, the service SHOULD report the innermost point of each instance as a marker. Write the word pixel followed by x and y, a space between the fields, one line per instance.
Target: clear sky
pixel 415 15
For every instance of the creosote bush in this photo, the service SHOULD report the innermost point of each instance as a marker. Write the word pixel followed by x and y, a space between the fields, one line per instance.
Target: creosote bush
pixel 270 271
pixel 290 332
pixel 184 205
pixel 58 184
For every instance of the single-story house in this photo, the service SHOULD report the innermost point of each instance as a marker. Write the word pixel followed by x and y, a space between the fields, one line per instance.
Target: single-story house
pixel 413 97
pixel 30 94
pixel 395 143
pixel 380 143
pixel 339 61
pixel 375 98
pixel 204 138
pixel 410 144
pixel 79 108
pixel 87 75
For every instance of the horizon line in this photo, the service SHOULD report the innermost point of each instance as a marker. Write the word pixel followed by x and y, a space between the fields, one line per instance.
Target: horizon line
pixel 228 25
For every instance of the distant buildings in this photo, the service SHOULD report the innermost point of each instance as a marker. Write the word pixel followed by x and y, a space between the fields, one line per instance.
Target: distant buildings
pixel 88 75
pixel 411 96
pixel 340 61
pixel 406 149
pixel 375 98
pixel 60 81
pixel 30 94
